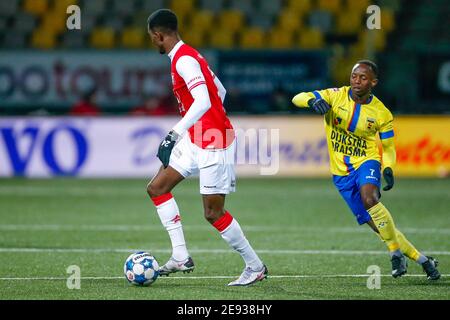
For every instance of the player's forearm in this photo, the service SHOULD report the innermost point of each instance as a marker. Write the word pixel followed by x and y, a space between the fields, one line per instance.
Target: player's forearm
pixel 199 107
pixel 301 99
pixel 389 154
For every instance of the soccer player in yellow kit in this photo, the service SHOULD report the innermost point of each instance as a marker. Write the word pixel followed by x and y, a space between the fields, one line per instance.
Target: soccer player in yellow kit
pixel 353 117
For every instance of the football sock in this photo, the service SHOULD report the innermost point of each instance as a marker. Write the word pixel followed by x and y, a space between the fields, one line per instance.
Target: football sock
pixel 385 225
pixel 409 250
pixel 170 218
pixel 231 232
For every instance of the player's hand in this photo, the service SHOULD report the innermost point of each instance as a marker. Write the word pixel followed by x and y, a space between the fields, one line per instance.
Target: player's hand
pixel 166 146
pixel 389 178
pixel 319 105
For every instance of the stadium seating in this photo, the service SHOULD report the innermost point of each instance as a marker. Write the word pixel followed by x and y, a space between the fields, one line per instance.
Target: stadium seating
pixel 196 37
pixel 252 38
pixel 298 23
pixel 43 38
pixel 222 38
pixel 9 8
pixel 311 38
pixel 299 6
pixel 221 24
pixel 36 7
pixel 182 7
pixel 53 21
pixel 202 19
pixel 102 38
pixel 133 38
pixel 280 39
pixel 231 20
pixel 73 40
pixel 290 20
pixel 334 6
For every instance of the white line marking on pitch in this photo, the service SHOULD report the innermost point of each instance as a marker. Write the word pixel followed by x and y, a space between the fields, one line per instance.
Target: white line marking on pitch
pixel 251 228
pixel 220 277
pixel 216 251
pixel 107 190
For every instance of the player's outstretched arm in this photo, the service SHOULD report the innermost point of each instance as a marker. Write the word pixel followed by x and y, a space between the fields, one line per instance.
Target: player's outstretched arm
pixel 301 99
pixel 314 100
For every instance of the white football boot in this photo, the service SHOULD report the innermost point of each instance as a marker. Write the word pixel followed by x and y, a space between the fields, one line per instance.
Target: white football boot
pixel 172 266
pixel 249 277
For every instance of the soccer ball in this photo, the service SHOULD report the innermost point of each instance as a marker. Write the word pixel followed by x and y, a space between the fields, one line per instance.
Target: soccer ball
pixel 141 269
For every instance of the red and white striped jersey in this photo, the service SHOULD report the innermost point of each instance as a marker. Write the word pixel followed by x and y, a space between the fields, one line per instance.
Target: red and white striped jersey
pixel 213 130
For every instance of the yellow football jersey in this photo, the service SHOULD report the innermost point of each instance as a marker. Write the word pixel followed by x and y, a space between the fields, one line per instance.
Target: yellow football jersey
pixel 351 129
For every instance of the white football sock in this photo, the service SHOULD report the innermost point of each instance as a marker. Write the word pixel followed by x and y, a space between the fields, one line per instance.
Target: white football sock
pixel 169 215
pixel 233 235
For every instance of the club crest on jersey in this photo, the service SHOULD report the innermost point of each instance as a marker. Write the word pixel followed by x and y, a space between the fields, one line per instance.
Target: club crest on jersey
pixel 337 121
pixel 370 123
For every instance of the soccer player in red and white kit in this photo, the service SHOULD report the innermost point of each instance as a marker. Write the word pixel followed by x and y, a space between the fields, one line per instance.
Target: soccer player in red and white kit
pixel 201 142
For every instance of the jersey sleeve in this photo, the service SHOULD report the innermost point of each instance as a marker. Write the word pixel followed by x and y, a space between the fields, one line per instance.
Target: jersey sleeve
pixel 386 133
pixel 301 99
pixel 220 88
pixel 189 69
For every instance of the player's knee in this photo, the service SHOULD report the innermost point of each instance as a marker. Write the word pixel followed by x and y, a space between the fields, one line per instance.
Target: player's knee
pixel 154 190
pixel 369 202
pixel 213 214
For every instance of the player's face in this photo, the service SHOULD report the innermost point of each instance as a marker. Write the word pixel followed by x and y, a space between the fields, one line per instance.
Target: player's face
pixel 362 79
pixel 157 40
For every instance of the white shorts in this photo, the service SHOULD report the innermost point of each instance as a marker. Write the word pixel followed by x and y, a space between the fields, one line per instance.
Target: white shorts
pixel 214 166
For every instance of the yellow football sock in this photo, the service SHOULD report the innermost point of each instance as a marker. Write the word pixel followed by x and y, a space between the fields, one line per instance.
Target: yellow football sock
pixel 385 225
pixel 406 247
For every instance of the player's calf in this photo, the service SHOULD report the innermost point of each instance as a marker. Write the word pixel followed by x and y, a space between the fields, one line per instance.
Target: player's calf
pixel 213 207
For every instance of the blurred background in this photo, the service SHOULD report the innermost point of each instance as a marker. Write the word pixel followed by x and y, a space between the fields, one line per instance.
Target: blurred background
pixel 263 51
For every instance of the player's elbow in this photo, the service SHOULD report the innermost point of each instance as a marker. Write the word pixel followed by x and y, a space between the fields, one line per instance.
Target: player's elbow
pixel 295 100
pixel 205 105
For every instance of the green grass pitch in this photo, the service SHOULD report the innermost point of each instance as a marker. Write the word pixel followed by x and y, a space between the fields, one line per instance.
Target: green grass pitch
pixel 301 228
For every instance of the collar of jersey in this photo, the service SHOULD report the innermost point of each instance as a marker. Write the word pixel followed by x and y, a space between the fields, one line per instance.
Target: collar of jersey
pixel 369 100
pixel 175 49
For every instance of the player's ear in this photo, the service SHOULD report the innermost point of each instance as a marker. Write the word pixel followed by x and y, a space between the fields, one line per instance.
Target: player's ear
pixel 156 35
pixel 159 36
pixel 374 82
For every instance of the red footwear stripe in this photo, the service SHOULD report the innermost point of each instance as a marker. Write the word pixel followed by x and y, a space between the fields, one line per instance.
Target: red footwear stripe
pixel 223 222
pixel 161 199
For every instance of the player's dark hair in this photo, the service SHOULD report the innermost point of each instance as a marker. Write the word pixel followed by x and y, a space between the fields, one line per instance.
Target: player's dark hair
pixel 164 19
pixel 370 64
